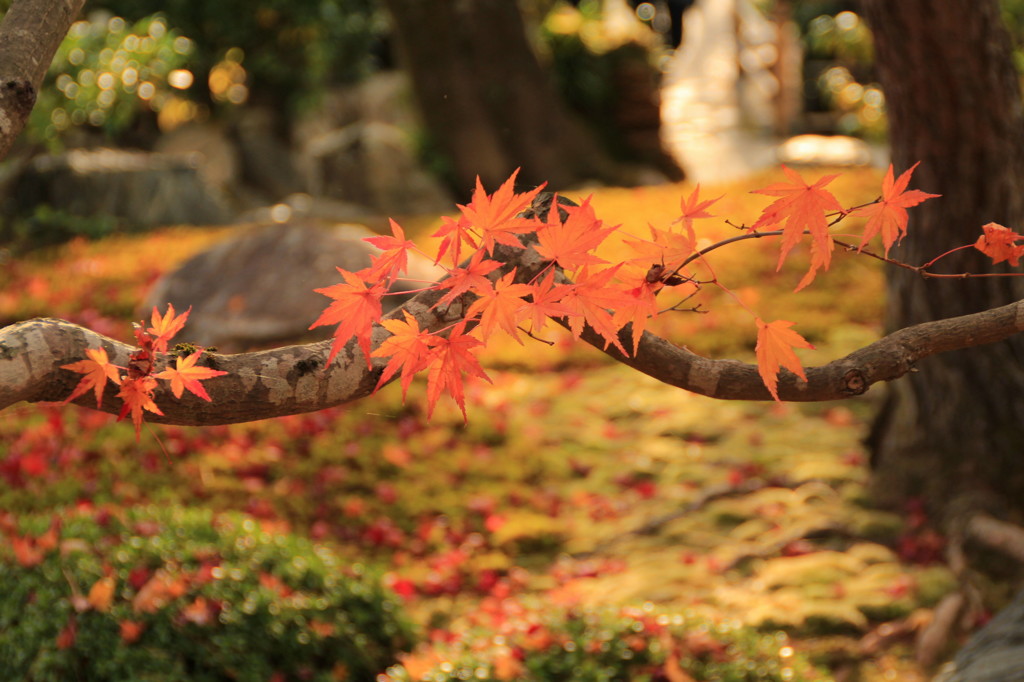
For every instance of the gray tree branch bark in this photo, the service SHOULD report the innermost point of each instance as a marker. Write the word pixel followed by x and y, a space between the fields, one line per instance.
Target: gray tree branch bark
pixel 29 36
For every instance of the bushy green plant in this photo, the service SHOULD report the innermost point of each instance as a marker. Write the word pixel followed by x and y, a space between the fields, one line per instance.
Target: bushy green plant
pixel 291 50
pixel 604 645
pixel 182 594
pixel 106 73
pixel 47 226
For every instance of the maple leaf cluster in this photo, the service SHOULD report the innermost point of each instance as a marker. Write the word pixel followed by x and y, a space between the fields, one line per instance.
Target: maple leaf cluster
pixel 138 382
pixel 576 285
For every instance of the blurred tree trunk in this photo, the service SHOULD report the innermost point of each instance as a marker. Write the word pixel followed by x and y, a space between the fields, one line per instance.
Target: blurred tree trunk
pixel 487 103
pixel 956 427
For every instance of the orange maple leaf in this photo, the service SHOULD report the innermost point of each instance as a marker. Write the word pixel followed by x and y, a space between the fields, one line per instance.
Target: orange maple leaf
pixel 1000 244
pixel 137 395
pixel 186 374
pixel 455 231
pixel 590 299
pixel 571 243
pixel 164 327
pixel 802 207
pixel 692 207
pixel 472 277
pixel 665 248
pixel 451 358
pixel 775 344
pixel 496 215
pixel 408 347
pixel 355 308
pixel 889 214
pixel 394 260
pixel 97 370
pixel 544 302
pixel 502 306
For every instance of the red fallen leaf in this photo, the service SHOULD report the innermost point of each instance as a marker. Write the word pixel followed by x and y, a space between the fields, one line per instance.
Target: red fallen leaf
pixel 66 638
pixel 25 552
pixel 131 630
pixel 200 612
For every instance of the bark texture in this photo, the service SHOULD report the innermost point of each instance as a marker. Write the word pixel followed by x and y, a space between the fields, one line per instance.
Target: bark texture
pixel 955 427
pixel 486 101
pixel 29 35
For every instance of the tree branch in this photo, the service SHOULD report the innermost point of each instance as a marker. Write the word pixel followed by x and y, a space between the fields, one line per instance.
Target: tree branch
pixel 292 379
pixel 30 33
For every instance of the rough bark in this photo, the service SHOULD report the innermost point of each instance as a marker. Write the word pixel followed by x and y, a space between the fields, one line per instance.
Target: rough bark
pixel 294 379
pixel 485 99
pixel 29 35
pixel 954 103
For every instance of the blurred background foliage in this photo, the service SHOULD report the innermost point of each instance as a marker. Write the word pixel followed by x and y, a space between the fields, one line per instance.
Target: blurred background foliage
pixel 158 63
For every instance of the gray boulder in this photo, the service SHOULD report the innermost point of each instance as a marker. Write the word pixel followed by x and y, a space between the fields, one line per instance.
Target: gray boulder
pixel 255 288
pixel 995 653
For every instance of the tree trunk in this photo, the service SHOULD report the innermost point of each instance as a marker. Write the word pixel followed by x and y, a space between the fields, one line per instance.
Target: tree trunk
pixel 485 99
pixel 956 427
pixel 29 36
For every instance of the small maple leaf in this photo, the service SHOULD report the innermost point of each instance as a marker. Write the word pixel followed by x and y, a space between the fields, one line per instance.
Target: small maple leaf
pixel 355 308
pixel 97 370
pixel 408 347
pixel 888 215
pixel 502 306
pixel 665 248
pixel 455 232
pixel 802 208
pixel 692 207
pixel 590 299
pixel 1000 244
pixel 472 277
pixel 544 303
pixel 164 327
pixel 571 243
pixel 395 257
pixel 137 395
pixel 451 358
pixel 495 216
pixel 186 374
pixel 775 344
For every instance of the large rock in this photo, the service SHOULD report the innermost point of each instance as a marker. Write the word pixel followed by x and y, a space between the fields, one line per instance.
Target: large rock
pixel 996 652
pixel 139 189
pixel 256 287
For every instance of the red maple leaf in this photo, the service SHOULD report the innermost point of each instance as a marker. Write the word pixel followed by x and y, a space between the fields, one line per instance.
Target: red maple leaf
pixel 164 327
pixel 473 277
pixel 502 306
pixel 355 308
pixel 570 244
pixel 1000 244
pixel 802 208
pixel 774 350
pixel 408 347
pixel 889 214
pixel 495 216
pixel 137 395
pixel 451 358
pixel 97 370
pixel 187 375
pixel 395 257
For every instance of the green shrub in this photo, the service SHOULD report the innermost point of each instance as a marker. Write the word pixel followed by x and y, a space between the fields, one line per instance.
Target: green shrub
pixel 182 594
pixel 550 644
